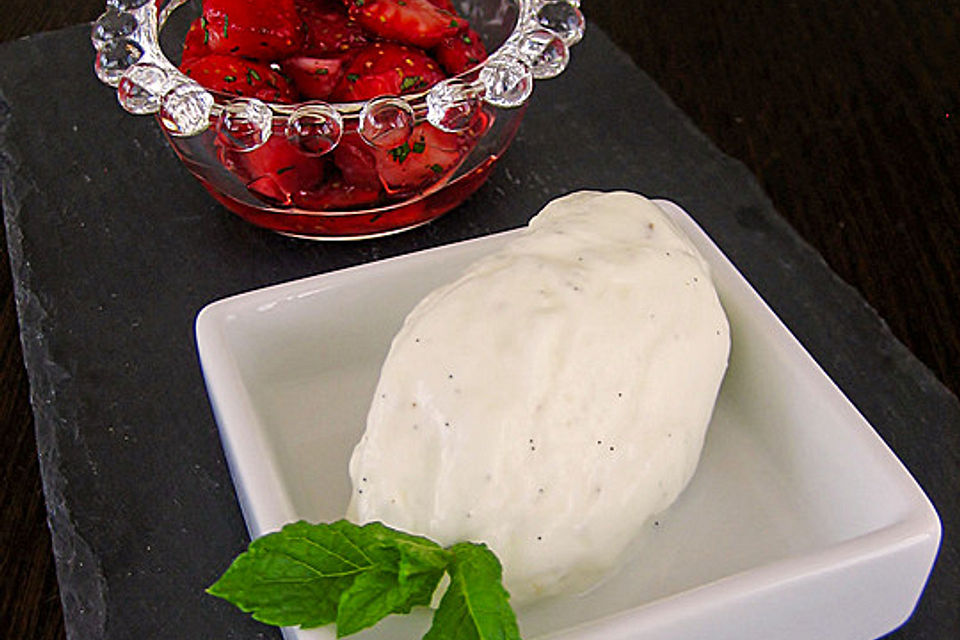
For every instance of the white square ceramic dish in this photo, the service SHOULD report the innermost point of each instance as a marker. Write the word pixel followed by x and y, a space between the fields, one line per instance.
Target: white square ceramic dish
pixel 800 522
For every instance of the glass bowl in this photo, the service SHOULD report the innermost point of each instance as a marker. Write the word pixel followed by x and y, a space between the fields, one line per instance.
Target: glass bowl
pixel 276 165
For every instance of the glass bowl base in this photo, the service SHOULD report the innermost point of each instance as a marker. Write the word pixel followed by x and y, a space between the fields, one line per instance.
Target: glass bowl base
pixel 359 225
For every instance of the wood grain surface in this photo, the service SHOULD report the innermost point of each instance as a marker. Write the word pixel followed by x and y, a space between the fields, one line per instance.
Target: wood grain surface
pixel 846 112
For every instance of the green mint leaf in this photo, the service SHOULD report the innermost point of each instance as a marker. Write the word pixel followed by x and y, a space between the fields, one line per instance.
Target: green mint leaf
pixel 376 594
pixel 475 606
pixel 417 553
pixel 399 154
pixel 409 568
pixel 311 575
pixel 371 598
pixel 294 576
pixel 409 82
pixel 420 571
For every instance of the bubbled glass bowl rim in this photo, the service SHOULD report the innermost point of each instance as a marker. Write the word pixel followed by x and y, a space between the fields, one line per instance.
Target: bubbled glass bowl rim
pixel 530 45
pixel 504 79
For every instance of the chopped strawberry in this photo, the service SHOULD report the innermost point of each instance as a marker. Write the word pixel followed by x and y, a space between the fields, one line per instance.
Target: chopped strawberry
pixel 460 52
pixel 264 30
pixel 337 51
pixel 336 195
pixel 356 162
pixel 427 156
pixel 276 170
pixel 446 5
pixel 386 68
pixel 415 22
pixel 195 44
pixel 315 78
pixel 240 77
pixel 328 28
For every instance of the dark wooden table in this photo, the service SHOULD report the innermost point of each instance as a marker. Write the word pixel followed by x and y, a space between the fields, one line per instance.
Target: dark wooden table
pixel 847 112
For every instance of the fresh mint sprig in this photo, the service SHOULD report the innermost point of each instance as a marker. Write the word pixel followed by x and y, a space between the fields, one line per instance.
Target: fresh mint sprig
pixel 310 575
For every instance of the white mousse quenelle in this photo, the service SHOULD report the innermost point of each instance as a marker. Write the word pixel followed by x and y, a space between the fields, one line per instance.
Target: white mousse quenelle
pixel 553 398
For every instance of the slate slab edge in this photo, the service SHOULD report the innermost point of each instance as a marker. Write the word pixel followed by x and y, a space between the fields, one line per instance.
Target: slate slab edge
pixel 761 244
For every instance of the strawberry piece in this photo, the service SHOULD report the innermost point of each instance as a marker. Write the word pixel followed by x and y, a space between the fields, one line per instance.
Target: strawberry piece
pixel 356 162
pixel 265 30
pixel 446 5
pixel 415 22
pixel 428 156
pixel 386 68
pixel 315 78
pixel 336 195
pixel 328 28
pixel 460 52
pixel 240 77
pixel 276 170
pixel 195 44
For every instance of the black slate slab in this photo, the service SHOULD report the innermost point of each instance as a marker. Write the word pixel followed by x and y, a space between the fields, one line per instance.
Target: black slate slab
pixel 114 248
